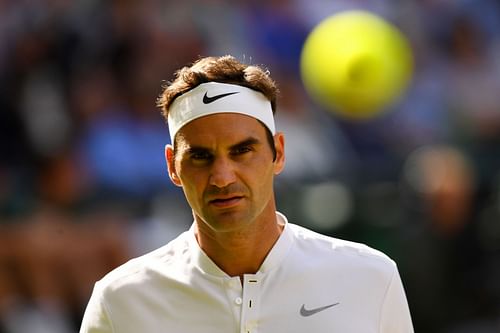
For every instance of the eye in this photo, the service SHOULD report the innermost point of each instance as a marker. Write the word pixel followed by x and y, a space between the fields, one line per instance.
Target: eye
pixel 241 150
pixel 201 156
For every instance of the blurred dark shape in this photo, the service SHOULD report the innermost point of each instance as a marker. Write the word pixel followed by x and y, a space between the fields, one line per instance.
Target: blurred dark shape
pixel 444 181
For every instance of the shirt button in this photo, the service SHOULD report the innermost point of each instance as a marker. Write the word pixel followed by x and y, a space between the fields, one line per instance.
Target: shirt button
pixel 238 300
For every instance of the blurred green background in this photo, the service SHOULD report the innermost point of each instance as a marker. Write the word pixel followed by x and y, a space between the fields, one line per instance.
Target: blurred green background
pixel 83 182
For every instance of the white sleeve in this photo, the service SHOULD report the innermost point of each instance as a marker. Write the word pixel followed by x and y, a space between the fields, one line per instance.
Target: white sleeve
pixel 395 313
pixel 96 317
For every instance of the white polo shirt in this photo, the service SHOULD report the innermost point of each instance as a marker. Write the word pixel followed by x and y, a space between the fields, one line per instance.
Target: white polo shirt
pixel 308 283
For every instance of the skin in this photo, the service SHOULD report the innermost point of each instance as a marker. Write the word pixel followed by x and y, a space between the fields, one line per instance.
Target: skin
pixel 225 167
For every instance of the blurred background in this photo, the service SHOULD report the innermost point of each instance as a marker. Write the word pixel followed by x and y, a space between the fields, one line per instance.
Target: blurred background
pixel 83 182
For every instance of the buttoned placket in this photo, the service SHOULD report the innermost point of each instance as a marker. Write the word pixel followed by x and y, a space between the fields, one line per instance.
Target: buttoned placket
pixel 244 301
pixel 234 292
pixel 251 303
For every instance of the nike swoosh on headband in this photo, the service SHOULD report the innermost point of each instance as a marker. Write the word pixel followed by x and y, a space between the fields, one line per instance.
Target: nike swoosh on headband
pixel 208 100
pixel 199 102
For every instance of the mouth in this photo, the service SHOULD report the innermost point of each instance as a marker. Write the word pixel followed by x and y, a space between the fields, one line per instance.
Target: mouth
pixel 225 202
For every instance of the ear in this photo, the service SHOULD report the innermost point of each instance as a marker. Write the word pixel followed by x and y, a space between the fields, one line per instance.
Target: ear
pixel 169 157
pixel 279 144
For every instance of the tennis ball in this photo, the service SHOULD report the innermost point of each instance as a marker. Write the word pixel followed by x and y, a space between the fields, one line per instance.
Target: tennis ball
pixel 356 64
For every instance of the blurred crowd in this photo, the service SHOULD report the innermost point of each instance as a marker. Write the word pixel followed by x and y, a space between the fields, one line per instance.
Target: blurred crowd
pixel 83 182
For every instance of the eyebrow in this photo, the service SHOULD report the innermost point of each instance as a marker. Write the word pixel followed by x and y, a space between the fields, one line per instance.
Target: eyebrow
pixel 244 143
pixel 247 142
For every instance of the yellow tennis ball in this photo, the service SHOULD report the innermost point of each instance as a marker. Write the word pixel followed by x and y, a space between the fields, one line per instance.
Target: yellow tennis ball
pixel 356 64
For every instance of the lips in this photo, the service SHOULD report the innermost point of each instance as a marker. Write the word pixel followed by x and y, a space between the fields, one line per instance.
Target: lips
pixel 225 202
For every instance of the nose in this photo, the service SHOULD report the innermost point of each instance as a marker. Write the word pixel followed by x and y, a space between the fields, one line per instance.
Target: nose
pixel 222 173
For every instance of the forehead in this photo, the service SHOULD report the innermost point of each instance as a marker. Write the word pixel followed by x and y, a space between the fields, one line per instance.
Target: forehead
pixel 221 128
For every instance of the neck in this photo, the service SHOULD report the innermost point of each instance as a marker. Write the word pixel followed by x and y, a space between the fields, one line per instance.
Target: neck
pixel 242 251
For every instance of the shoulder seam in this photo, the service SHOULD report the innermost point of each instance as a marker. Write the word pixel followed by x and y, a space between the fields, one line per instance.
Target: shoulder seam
pixel 107 310
pixel 394 270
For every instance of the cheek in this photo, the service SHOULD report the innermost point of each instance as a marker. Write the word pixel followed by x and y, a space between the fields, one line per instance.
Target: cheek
pixel 194 196
pixel 258 176
pixel 193 182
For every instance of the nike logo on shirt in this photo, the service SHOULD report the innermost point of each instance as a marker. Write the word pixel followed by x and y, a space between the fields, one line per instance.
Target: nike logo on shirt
pixel 309 312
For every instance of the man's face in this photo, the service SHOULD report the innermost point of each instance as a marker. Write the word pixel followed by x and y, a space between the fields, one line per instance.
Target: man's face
pixel 225 166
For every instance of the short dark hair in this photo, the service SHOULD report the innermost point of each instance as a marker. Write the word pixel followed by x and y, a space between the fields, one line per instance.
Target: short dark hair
pixel 225 69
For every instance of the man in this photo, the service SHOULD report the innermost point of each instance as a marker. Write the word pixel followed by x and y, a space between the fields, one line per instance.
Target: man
pixel 241 267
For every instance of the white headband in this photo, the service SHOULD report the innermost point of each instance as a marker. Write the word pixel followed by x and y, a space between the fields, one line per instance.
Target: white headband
pixel 215 97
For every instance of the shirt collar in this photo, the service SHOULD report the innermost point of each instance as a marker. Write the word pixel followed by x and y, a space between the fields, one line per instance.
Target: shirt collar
pixel 273 259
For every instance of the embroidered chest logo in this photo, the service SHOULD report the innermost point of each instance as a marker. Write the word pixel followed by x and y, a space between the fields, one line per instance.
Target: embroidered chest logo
pixel 309 312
